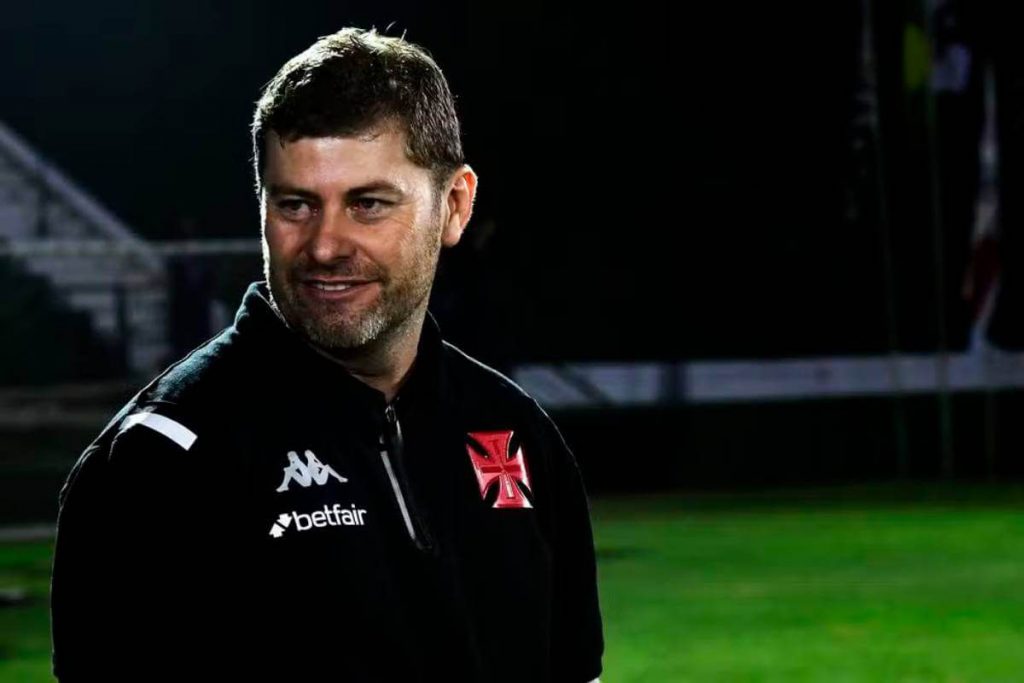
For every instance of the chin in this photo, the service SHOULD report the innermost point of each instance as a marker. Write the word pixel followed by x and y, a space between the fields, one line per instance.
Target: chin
pixel 349 337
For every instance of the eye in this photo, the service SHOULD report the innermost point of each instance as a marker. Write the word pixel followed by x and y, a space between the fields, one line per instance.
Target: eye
pixel 294 209
pixel 371 206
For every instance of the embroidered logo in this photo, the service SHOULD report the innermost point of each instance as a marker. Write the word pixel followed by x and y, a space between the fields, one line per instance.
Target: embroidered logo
pixel 307 473
pixel 495 465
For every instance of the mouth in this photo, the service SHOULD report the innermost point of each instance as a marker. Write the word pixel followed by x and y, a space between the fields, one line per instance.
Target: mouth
pixel 335 289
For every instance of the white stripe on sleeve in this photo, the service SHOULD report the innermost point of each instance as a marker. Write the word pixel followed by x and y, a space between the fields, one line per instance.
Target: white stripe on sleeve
pixel 175 431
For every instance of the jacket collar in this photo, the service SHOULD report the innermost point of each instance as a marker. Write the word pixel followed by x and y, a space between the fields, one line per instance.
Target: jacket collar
pixel 290 357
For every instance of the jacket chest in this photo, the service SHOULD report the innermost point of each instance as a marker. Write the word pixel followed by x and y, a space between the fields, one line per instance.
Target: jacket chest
pixel 436 487
pixel 433 535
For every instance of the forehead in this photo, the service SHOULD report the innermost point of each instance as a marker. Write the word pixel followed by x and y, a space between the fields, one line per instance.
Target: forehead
pixel 338 162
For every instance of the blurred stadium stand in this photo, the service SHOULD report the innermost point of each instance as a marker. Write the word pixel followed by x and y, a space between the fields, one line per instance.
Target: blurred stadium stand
pixel 123 291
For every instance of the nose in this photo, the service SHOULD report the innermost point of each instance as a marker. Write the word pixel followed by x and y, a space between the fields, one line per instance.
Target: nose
pixel 333 237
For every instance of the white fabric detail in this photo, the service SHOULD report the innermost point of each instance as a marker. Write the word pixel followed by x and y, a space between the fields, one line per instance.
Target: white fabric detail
pixel 175 431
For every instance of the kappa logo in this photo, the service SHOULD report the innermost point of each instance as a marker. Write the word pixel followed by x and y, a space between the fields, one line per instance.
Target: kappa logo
pixel 329 516
pixel 307 473
pixel 495 465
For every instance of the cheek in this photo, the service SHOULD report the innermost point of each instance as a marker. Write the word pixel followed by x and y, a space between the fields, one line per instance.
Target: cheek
pixel 282 243
pixel 416 252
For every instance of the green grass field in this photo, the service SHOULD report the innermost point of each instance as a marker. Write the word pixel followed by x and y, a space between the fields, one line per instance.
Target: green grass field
pixel 849 584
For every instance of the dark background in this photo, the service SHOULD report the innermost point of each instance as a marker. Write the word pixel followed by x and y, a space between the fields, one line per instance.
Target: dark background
pixel 665 181
pixel 657 182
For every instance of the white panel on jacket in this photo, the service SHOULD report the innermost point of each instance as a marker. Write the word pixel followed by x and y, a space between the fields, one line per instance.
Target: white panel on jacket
pixel 173 430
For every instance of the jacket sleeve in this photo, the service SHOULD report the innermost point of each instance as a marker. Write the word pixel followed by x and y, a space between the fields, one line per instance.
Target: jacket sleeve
pixel 577 635
pixel 121 593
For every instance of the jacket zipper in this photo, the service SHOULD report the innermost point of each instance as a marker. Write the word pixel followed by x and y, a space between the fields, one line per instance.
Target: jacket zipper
pixel 391 449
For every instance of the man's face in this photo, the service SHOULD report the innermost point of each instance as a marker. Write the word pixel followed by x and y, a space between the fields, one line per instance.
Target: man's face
pixel 351 235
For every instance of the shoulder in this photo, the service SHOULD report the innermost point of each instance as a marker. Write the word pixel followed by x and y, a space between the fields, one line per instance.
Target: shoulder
pixel 480 383
pixel 481 388
pixel 204 374
pixel 166 420
pixel 191 393
pixel 195 390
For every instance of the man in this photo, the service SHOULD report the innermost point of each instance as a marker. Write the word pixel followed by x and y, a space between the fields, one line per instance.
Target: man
pixel 327 490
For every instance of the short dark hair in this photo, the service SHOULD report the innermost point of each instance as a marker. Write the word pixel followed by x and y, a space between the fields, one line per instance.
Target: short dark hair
pixel 353 81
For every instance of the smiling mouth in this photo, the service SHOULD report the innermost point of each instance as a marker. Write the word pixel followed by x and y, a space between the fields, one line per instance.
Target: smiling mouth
pixel 335 290
pixel 335 287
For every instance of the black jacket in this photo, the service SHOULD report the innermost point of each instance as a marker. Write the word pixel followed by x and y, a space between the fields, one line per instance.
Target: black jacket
pixel 256 511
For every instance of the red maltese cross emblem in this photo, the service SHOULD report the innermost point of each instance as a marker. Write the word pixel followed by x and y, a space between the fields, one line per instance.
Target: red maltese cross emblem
pixel 495 465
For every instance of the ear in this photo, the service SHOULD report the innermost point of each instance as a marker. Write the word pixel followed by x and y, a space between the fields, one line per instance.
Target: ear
pixel 459 200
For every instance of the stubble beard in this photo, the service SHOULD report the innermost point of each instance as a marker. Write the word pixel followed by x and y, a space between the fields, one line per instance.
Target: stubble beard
pixel 342 332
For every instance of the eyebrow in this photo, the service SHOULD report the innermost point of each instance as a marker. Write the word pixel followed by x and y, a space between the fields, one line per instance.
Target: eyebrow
pixel 278 189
